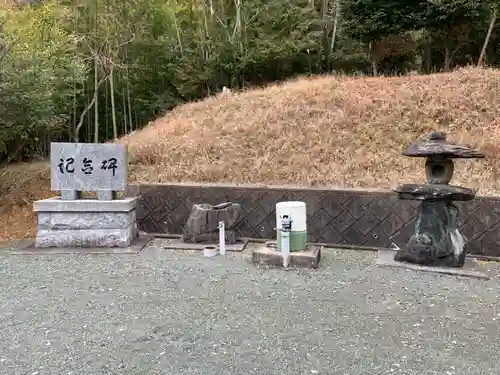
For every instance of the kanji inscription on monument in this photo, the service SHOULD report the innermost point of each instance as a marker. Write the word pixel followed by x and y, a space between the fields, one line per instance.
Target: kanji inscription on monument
pixel 88 166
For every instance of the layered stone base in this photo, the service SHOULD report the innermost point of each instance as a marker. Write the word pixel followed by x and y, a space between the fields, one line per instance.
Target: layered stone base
pixel 88 223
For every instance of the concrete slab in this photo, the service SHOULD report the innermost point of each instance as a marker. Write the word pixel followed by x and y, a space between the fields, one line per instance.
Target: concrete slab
pixel 301 259
pixel 177 244
pixel 28 248
pixel 470 268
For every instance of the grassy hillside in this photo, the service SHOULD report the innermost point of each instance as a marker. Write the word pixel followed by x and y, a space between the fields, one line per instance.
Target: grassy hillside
pixel 340 131
pixel 333 131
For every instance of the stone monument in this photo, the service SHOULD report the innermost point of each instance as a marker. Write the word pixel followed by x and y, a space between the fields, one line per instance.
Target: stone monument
pixel 437 240
pixel 69 220
pixel 202 225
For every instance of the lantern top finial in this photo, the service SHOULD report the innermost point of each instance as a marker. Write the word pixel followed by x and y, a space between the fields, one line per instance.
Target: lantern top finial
pixel 437 136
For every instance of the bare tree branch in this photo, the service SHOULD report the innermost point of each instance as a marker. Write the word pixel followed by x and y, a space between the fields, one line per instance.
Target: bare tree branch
pixel 87 108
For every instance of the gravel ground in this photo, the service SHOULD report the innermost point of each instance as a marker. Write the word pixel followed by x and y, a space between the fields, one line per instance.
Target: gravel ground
pixel 174 312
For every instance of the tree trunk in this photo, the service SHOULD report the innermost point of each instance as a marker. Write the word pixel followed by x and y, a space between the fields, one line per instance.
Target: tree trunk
pixel 87 108
pixel 373 59
pixel 447 57
pixel 129 106
pixel 374 67
pixel 488 37
pixel 106 106
pixel 323 50
pixel 113 107
pixel 136 119
pixel 178 33
pixel 89 127
pixel 96 107
pixel 335 24
pixel 124 107
pixel 428 48
pixel 73 127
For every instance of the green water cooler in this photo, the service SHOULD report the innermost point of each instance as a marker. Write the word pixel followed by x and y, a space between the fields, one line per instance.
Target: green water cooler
pixel 295 213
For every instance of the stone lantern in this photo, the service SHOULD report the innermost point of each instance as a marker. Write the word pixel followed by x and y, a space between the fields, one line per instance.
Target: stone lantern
pixel 437 240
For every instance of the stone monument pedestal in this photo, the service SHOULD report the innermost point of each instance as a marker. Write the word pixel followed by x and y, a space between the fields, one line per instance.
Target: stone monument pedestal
pixel 88 223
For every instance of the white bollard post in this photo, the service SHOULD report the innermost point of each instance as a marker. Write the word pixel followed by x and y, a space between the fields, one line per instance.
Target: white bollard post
pixel 286 227
pixel 222 238
pixel 285 247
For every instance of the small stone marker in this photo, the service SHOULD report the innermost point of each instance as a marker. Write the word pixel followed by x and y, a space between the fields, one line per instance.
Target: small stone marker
pixel 203 228
pixel 90 167
pixel 71 222
pixel 202 225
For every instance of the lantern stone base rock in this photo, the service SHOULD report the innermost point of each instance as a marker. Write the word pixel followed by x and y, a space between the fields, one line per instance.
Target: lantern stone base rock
pixel 437 240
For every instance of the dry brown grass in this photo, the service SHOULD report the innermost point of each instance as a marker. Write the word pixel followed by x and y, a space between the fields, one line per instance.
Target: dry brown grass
pixel 20 185
pixel 6 3
pixel 333 131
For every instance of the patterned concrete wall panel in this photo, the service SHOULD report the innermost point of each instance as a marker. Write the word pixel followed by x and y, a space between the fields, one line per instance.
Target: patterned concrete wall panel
pixel 349 217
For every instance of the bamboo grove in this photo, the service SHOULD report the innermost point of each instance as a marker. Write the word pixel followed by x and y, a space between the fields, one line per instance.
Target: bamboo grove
pixel 93 70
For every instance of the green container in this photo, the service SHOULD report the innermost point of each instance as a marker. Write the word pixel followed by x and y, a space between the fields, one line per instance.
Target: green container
pixel 298 241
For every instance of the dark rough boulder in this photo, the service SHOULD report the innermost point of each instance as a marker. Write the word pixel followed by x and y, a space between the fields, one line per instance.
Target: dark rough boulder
pixel 435 191
pixel 203 223
pixel 437 240
pixel 436 145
